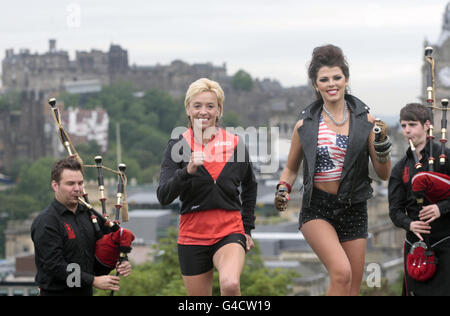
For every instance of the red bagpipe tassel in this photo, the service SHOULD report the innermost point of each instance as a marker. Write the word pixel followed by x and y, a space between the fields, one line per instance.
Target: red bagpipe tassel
pixel 435 186
pixel 420 262
pixel 108 248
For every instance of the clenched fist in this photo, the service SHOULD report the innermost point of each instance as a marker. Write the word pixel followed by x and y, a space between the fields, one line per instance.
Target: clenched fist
pixel 281 199
pixel 197 159
pixel 382 143
pixel 380 130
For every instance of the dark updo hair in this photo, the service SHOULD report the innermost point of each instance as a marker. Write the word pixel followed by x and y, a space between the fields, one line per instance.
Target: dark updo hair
pixel 330 56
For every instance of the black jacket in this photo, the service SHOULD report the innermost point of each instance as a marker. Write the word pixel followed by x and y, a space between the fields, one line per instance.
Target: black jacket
pixel 200 192
pixel 61 238
pixel 403 208
pixel 354 185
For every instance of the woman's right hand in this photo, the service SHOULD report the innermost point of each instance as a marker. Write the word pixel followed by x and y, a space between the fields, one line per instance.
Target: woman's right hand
pixel 197 159
pixel 281 199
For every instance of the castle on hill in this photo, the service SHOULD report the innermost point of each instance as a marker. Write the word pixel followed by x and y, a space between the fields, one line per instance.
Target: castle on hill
pixel 38 76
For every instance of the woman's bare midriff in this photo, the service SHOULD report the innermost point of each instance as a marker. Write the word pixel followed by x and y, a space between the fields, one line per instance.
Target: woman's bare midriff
pixel 331 187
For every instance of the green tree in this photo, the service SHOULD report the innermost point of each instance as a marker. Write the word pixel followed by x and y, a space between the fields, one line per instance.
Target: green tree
pixel 16 166
pixel 34 181
pixel 150 174
pixel 167 109
pixel 257 280
pixel 14 207
pixel 10 102
pixel 231 119
pixel 116 99
pixel 17 206
pixel 242 81
pixel 70 99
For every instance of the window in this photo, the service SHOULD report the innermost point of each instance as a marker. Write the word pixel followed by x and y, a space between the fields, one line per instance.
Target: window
pixel 18 292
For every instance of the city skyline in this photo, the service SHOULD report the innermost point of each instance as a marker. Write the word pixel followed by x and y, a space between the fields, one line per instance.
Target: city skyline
pixel 382 40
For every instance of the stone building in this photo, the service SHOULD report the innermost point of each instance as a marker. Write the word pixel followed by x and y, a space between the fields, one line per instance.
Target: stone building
pixel 18 241
pixel 441 55
pixel 40 76
pixel 84 126
pixel 53 69
pixel 22 128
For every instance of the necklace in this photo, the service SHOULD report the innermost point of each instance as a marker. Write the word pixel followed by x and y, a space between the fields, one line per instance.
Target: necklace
pixel 332 117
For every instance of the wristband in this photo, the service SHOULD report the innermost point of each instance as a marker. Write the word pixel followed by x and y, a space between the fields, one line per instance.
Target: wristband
pixel 383 159
pixel 382 146
pixel 285 184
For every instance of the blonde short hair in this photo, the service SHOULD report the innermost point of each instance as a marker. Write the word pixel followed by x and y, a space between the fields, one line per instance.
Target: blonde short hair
pixel 205 85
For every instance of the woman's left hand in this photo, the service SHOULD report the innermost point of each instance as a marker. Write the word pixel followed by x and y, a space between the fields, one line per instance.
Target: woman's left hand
pixel 249 242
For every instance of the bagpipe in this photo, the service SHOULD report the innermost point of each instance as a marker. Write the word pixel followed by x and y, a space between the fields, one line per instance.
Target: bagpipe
pixel 428 185
pixel 114 247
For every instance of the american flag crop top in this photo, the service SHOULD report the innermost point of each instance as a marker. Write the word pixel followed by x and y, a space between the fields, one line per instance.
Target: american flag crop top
pixel 331 149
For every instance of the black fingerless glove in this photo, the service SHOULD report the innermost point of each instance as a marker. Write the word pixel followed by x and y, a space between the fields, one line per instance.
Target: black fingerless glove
pixel 281 199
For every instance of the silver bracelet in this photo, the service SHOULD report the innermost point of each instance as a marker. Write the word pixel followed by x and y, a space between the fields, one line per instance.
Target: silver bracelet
pixel 383 153
pixel 385 158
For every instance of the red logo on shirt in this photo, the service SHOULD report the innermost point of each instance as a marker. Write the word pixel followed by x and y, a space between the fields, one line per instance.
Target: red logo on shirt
pixel 406 174
pixel 70 231
pixel 217 152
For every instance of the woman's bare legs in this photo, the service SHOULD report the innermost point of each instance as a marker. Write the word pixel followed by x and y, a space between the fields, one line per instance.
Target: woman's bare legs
pixel 344 262
pixel 229 261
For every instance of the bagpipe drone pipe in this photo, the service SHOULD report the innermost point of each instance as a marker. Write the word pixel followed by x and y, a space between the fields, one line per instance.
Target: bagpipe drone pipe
pixel 113 247
pixel 427 185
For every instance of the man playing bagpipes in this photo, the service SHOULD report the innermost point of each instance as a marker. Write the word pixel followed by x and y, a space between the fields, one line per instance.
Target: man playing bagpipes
pixel 74 249
pixel 419 202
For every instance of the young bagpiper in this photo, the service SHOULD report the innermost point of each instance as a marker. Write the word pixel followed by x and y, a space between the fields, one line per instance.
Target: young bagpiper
pixel 428 223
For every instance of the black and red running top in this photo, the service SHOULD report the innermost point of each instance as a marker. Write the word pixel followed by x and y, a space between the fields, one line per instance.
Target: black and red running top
pixel 220 198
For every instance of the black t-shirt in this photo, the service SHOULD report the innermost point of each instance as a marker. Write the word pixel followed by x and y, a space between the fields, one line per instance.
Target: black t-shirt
pixel 403 207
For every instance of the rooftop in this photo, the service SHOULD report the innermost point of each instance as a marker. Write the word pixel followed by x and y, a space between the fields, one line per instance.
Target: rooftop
pixel 148 213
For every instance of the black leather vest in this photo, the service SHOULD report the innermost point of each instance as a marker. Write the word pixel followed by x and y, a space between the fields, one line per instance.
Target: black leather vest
pixel 354 185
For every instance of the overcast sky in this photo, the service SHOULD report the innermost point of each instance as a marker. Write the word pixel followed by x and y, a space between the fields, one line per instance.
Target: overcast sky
pixel 382 39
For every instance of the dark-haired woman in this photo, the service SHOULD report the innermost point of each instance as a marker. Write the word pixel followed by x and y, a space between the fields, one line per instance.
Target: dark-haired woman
pixel 334 140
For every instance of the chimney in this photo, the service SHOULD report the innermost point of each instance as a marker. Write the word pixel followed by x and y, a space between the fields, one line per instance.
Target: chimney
pixel 52 45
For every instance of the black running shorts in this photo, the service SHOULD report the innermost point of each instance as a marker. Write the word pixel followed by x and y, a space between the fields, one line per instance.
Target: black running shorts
pixel 349 221
pixel 196 259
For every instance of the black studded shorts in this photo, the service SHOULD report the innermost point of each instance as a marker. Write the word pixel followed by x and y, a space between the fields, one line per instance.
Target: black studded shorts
pixel 349 221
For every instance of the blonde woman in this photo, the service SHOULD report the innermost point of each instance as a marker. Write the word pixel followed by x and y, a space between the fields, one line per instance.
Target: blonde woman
pixel 205 167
